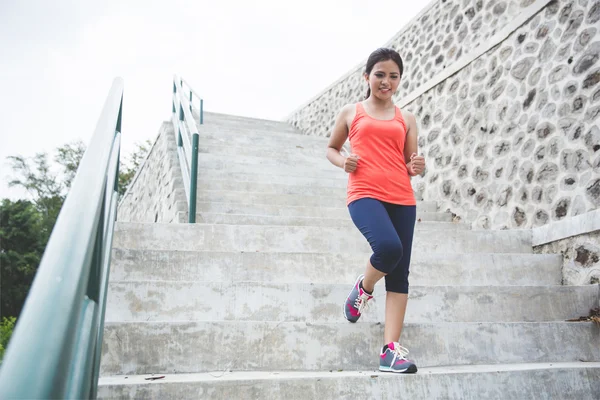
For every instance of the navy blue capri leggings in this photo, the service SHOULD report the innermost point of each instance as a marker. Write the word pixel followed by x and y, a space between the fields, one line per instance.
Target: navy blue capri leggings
pixel 389 229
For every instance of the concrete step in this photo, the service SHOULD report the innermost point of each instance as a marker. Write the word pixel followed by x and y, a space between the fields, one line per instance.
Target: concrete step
pixel 244 143
pixel 306 239
pixel 308 154
pixel 270 209
pixel 311 206
pixel 259 135
pixel 269 161
pixel 233 168
pixel 426 211
pixel 298 211
pixel 541 381
pixel 245 122
pixel 182 347
pixel 205 183
pixel 276 199
pixel 248 219
pixel 285 199
pixel 262 133
pixel 318 303
pixel 426 268
pixel 265 177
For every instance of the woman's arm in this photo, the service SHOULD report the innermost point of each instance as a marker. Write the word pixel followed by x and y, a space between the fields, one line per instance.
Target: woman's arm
pixel 338 137
pixel 410 145
pixel 414 163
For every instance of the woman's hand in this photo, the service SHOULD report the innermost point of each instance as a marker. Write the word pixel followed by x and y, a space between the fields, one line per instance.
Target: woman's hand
pixel 350 163
pixel 416 166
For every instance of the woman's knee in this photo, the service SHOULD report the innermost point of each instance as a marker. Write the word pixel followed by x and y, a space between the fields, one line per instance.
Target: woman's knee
pixel 387 255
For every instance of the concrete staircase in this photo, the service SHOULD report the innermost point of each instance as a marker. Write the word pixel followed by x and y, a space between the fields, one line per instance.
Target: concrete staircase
pixel 247 304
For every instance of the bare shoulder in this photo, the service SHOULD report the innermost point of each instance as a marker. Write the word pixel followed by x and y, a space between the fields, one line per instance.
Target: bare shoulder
pixel 409 117
pixel 347 113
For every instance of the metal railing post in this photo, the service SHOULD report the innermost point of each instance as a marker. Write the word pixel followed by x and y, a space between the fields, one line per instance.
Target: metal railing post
pixel 201 111
pixel 193 178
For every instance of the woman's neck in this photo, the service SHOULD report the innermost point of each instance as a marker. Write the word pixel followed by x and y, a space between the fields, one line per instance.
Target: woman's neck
pixel 374 102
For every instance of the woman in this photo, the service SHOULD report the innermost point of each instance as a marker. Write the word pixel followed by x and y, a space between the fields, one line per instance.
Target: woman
pixel 380 197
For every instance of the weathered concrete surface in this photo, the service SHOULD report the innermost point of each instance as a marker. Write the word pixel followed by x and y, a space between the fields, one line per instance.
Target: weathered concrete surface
pixel 290 302
pixel 190 346
pixel 306 239
pixel 578 240
pixel 491 382
pixel 231 185
pixel 581 258
pixel 292 212
pixel 297 211
pixel 436 269
pixel 263 176
pixel 423 221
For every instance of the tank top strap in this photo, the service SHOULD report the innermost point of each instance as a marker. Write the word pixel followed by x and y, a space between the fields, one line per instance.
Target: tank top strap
pixel 360 110
pixel 399 117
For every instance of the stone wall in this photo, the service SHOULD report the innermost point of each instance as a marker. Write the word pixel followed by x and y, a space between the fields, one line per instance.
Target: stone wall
pixel 511 138
pixel 439 36
pixel 156 194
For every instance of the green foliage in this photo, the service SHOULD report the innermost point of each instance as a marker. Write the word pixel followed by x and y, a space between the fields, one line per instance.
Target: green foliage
pixel 23 236
pixel 25 226
pixel 6 329
pixel 128 169
pixel 69 156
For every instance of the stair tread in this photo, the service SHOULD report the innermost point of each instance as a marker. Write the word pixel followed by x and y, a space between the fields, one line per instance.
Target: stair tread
pixel 280 375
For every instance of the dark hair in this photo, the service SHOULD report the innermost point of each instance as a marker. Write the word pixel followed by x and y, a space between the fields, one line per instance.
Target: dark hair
pixel 383 54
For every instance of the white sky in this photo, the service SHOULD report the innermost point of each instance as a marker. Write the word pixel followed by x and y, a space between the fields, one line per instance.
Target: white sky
pixel 259 58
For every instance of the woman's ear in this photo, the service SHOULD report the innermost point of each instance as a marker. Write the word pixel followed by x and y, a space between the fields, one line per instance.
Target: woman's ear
pixel 366 77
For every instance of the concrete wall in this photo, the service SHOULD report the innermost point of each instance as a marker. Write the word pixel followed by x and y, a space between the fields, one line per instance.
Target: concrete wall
pixel 509 129
pixel 578 240
pixel 156 193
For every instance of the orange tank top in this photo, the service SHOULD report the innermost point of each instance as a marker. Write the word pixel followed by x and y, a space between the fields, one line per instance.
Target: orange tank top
pixel 381 172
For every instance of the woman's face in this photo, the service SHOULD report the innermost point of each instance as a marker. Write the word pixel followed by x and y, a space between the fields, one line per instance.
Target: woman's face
pixel 384 79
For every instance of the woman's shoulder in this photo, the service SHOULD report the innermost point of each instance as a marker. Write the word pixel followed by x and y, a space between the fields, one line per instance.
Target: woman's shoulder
pixel 349 108
pixel 348 113
pixel 407 115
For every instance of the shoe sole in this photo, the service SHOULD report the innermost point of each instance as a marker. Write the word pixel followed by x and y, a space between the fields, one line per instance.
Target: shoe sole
pixel 410 370
pixel 344 306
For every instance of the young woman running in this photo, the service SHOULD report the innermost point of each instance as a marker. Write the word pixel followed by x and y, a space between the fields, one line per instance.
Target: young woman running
pixel 380 197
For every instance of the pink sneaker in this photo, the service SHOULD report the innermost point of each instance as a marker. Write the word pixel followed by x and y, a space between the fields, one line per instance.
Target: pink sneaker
pixel 356 302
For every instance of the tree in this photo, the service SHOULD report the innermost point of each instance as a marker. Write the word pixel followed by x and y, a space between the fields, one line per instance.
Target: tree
pixel 128 170
pixel 22 242
pixel 43 186
pixel 69 156
pixel 6 328
pixel 26 226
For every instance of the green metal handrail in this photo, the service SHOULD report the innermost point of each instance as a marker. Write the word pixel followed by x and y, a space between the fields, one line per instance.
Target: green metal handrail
pixel 55 350
pixel 185 127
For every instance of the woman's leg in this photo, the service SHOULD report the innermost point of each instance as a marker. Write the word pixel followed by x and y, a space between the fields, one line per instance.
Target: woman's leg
pixel 372 276
pixel 371 218
pixel 403 218
pixel 395 308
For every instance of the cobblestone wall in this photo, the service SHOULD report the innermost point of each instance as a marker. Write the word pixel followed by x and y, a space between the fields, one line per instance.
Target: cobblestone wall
pixel 438 37
pixel 512 139
pixel 156 194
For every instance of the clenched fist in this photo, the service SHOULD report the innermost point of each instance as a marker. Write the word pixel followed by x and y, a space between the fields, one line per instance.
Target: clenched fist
pixel 416 166
pixel 350 163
